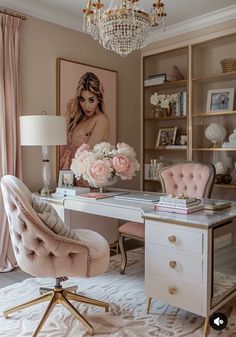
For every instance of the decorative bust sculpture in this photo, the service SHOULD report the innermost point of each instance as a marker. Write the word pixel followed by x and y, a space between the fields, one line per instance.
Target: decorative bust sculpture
pixel 232 137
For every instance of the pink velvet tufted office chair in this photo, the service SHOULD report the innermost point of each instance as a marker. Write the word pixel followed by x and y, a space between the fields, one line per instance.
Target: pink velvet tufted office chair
pixel 192 179
pixel 40 252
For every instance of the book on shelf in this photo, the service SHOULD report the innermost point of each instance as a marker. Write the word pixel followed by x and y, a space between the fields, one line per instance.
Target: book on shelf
pixel 180 210
pixel 229 144
pixel 158 79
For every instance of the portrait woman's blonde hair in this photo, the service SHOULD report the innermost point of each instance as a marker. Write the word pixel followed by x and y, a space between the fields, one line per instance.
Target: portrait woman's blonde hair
pixel 89 81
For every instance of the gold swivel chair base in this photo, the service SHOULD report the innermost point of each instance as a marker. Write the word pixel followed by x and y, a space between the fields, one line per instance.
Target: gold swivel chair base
pixel 59 295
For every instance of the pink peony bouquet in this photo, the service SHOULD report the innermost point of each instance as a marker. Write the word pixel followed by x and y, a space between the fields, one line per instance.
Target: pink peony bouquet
pixel 103 162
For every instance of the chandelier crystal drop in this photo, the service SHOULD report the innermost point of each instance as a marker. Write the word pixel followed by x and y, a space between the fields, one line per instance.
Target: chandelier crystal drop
pixel 124 26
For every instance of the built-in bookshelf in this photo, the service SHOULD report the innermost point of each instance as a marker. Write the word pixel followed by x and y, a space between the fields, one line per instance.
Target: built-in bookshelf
pixel 200 65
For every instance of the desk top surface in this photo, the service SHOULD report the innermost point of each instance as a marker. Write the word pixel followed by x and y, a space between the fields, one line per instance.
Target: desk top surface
pixel 199 219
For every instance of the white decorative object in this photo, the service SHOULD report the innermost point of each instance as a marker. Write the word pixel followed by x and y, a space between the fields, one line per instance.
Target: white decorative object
pixel 220 168
pixel 232 137
pixel 215 133
pixel 183 139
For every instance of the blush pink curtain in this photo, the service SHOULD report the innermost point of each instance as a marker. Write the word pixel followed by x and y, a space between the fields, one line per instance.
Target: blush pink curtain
pixel 9 117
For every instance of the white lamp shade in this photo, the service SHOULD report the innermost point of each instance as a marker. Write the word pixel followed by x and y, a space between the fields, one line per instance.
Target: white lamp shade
pixel 43 130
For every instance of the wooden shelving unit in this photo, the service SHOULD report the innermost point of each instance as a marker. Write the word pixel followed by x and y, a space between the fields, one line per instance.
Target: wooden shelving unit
pixel 200 63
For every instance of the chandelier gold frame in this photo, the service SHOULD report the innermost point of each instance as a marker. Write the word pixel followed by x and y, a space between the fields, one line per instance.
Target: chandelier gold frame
pixel 122 27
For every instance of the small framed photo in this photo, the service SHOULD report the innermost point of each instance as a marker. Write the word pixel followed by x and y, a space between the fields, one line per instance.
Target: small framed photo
pixel 65 179
pixel 220 99
pixel 166 136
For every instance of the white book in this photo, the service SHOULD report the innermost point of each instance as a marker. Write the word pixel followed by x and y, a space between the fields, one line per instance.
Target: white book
pixel 153 81
pixel 176 201
pixel 229 144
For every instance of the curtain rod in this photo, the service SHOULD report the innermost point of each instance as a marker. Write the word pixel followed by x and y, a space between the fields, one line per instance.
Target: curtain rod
pixel 4 11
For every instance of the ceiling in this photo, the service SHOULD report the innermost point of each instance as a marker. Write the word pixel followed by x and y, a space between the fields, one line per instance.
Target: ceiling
pixel 182 15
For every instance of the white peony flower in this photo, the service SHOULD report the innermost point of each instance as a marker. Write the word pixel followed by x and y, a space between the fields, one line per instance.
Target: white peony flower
pixel 154 99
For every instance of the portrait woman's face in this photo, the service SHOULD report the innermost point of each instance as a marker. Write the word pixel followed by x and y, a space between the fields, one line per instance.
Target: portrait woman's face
pixel 88 102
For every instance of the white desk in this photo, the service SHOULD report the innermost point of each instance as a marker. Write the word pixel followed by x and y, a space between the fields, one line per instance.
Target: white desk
pixel 179 250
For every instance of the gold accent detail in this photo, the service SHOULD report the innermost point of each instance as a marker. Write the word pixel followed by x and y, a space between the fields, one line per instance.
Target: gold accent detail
pixel 172 264
pixel 172 290
pixel 149 304
pixel 4 11
pixel 60 296
pixel 174 222
pixel 172 238
pixel 206 327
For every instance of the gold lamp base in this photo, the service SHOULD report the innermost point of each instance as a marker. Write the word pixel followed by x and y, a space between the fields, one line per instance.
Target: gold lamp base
pixel 59 295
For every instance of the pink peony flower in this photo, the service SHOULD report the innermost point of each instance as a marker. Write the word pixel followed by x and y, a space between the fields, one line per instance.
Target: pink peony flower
pixel 129 173
pixel 103 162
pixel 82 148
pixel 99 171
pixel 121 163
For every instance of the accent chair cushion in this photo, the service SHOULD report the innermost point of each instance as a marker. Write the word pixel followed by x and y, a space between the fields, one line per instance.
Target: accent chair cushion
pixel 133 228
pixel 50 218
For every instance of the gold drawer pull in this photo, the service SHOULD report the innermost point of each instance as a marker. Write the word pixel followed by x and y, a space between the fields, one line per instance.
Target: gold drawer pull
pixel 172 264
pixel 172 238
pixel 172 290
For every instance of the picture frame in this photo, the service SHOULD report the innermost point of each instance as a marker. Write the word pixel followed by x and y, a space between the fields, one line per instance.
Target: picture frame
pixel 88 125
pixel 166 136
pixel 220 100
pixel 65 179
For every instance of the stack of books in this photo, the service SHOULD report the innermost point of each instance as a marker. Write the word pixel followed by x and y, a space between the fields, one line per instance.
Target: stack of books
pixel 178 205
pixel 158 79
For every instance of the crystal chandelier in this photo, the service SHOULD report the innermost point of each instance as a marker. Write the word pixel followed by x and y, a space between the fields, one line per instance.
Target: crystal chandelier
pixel 123 27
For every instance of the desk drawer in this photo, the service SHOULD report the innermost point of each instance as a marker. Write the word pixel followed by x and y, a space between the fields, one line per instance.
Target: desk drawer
pixel 171 263
pixel 171 291
pixel 169 235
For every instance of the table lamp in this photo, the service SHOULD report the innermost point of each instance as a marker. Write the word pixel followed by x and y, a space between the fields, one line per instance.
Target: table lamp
pixel 43 130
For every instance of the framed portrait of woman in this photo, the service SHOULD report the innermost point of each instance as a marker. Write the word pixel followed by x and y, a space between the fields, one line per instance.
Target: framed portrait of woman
pixel 87 96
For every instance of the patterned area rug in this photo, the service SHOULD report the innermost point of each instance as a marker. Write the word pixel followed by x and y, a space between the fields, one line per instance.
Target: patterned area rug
pixel 127 316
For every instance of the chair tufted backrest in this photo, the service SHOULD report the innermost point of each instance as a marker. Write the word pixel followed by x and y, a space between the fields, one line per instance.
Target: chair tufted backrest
pixel 191 178
pixel 38 250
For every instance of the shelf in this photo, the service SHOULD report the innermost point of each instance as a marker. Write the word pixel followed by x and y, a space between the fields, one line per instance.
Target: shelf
pixel 225 185
pixel 214 149
pixel 215 77
pixel 152 181
pixel 167 118
pixel 215 113
pixel 168 147
pixel 165 85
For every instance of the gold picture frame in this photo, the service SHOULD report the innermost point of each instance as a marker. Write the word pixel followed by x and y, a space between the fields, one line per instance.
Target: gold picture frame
pixel 166 136
pixel 70 76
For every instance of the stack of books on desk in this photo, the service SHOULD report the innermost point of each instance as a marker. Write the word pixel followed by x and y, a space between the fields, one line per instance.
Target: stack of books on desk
pixel 178 205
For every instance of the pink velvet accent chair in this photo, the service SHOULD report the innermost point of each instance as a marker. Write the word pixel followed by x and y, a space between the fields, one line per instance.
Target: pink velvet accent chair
pixel 42 253
pixel 191 178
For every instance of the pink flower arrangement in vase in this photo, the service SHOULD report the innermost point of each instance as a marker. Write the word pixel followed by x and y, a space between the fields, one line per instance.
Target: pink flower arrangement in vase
pixel 102 164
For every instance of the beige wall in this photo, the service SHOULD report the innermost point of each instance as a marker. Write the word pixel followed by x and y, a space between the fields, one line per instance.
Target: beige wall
pixel 41 43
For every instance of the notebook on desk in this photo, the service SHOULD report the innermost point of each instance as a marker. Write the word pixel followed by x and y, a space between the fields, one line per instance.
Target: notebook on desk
pixel 139 196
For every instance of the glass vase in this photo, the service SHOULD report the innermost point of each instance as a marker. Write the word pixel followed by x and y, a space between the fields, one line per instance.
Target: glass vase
pixel 111 181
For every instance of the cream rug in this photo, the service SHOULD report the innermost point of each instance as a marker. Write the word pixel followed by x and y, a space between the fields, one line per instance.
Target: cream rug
pixel 127 316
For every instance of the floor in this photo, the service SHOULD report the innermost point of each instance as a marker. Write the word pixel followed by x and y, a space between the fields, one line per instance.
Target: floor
pixel 18 275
